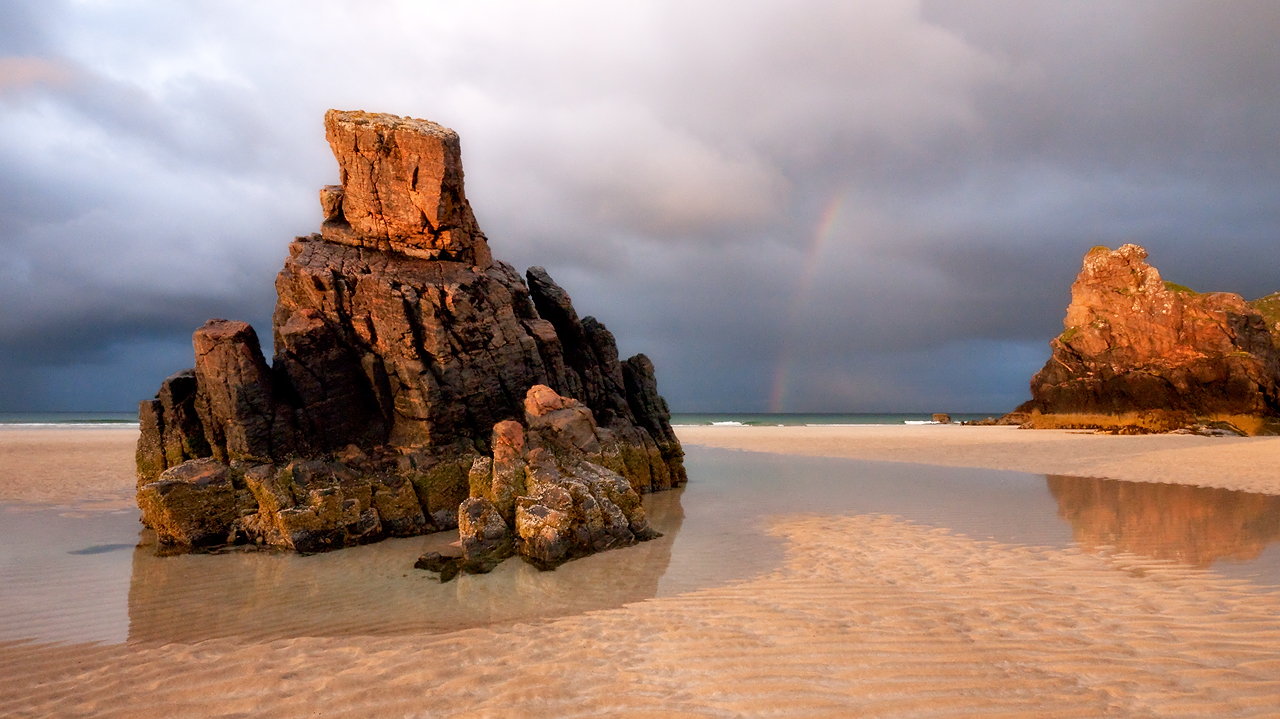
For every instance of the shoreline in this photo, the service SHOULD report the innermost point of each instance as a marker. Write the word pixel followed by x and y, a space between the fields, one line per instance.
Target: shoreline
pixel 1239 463
pixel 92 468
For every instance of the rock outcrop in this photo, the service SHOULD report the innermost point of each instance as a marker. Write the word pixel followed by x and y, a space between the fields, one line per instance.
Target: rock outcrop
pixel 551 492
pixel 406 361
pixel 1135 343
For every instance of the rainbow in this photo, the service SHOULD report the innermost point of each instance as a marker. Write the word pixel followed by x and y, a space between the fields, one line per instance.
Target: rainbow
pixel 778 395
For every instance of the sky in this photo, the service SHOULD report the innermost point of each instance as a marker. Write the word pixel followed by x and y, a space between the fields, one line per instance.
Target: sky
pixel 789 206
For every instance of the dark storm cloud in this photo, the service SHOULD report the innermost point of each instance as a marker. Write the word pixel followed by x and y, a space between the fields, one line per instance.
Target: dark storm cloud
pixel 827 206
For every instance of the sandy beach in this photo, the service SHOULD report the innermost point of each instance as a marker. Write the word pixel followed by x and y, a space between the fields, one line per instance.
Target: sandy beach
pixel 93 467
pixel 81 467
pixel 867 615
pixel 1247 464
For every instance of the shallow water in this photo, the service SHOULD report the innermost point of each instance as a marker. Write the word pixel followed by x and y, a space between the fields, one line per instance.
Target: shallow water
pixel 84 577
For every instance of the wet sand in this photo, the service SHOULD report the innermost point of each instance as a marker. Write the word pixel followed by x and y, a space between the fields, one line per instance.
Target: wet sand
pixel 870 616
pixel 1250 464
pixel 867 615
pixel 74 468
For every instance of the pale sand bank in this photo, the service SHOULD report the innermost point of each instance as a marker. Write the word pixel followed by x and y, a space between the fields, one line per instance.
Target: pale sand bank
pixel 80 468
pixel 869 617
pixel 1250 464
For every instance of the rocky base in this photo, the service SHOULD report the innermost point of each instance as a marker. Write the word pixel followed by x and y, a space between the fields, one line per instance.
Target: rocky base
pixel 553 490
pixel 547 494
pixel 1013 418
pixel 1151 422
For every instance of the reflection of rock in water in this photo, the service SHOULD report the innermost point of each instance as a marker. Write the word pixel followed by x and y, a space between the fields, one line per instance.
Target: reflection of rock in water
pixel 370 590
pixel 1192 525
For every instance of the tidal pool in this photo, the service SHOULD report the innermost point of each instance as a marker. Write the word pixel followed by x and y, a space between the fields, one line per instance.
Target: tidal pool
pixel 86 577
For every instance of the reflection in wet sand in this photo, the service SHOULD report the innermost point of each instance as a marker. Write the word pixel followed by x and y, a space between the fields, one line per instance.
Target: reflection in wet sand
pixel 69 579
pixel 1191 525
pixel 373 590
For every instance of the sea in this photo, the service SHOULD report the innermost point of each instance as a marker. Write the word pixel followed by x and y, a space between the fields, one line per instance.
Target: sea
pixel 765 419
pixel 69 419
pixel 680 419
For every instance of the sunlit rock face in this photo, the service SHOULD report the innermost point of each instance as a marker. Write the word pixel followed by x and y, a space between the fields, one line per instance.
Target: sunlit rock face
pixel 399 346
pixel 1190 525
pixel 401 189
pixel 1133 342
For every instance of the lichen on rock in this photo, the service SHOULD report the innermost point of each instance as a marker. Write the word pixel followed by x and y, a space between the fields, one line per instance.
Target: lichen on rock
pixel 405 358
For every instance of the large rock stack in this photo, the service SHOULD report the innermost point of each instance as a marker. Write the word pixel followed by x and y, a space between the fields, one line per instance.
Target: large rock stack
pixel 403 355
pixel 1133 342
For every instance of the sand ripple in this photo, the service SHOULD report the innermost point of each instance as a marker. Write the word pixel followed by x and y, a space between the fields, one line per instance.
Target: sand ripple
pixel 870 616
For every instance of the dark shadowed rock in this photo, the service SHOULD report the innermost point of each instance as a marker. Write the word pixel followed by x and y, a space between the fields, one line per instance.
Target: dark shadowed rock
pixel 171 430
pixel 1269 308
pixel 237 400
pixel 448 567
pixel 1134 343
pixel 653 415
pixel 404 360
pixel 336 402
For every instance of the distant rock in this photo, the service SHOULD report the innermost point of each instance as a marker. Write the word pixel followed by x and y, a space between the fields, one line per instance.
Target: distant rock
pixel 412 375
pixel 1135 343
pixel 1013 419
pixel 941 418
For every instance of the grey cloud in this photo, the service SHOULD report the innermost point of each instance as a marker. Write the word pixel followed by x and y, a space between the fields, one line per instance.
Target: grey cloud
pixel 670 163
pixel 23 31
